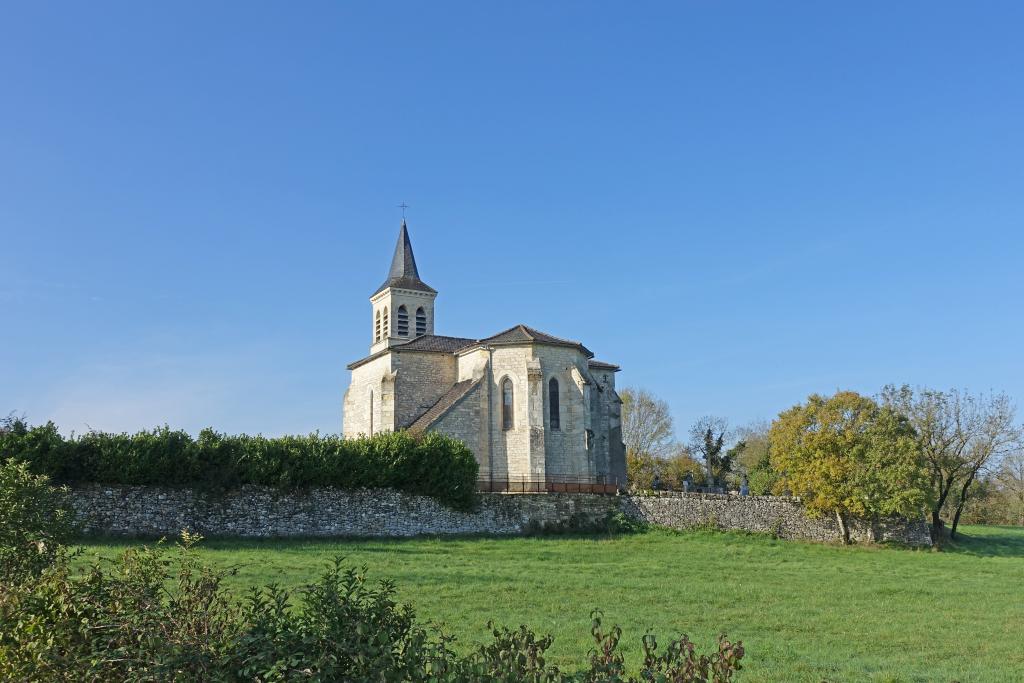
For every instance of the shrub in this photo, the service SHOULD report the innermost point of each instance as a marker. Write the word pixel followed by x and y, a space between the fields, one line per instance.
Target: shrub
pixel 762 481
pixel 157 616
pixel 643 470
pixel 136 622
pixel 346 630
pixel 34 520
pixel 434 465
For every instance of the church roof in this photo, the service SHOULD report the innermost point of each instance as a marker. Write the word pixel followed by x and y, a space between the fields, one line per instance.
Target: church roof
pixel 434 342
pixel 403 273
pixel 600 364
pixel 430 343
pixel 521 334
pixel 443 405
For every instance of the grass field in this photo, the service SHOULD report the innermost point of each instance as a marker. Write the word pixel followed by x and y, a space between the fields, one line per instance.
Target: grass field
pixel 804 612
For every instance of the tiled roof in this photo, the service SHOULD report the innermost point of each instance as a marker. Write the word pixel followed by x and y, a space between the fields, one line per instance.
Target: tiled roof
pixel 363 361
pixel 443 405
pixel 428 342
pixel 604 366
pixel 436 343
pixel 523 334
pixel 520 334
pixel 403 273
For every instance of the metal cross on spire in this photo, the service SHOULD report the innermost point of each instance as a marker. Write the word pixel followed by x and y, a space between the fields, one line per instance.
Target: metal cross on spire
pixel 403 206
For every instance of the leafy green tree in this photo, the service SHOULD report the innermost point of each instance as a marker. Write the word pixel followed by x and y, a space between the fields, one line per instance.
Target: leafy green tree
pixel 847 456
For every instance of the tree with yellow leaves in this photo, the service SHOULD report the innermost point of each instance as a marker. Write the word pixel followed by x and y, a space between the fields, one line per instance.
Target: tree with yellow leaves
pixel 847 456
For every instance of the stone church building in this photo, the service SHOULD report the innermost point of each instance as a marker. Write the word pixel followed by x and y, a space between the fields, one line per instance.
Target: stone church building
pixel 531 406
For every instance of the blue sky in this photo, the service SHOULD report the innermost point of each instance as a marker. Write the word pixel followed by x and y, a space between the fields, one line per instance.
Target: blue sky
pixel 740 203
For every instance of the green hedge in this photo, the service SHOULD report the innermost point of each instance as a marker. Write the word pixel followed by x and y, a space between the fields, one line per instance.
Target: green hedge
pixel 434 465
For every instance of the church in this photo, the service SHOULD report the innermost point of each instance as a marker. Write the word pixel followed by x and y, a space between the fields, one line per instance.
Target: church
pixel 531 406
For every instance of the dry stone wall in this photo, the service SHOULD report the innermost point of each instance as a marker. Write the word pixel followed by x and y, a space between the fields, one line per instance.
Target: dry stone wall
pixel 256 512
pixel 783 517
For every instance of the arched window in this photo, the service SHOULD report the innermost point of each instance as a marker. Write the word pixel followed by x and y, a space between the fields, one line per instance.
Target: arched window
pixel 402 320
pixel 421 322
pixel 376 328
pixel 371 412
pixel 506 403
pixel 387 330
pixel 554 415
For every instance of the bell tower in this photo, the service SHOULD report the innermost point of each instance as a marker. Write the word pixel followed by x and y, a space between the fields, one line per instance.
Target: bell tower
pixel 403 307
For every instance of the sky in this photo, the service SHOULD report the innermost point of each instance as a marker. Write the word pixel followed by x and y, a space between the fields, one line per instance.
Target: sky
pixel 740 203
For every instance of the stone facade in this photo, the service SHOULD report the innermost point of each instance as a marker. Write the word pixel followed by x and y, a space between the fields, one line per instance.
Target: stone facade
pixel 256 512
pixel 565 421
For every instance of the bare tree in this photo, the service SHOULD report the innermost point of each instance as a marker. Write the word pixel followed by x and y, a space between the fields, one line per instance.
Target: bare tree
pixel 751 449
pixel 1010 477
pixel 646 424
pixel 707 440
pixel 960 436
pixel 994 437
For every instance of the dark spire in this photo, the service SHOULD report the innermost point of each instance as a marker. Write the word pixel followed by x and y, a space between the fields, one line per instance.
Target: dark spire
pixel 404 263
pixel 403 273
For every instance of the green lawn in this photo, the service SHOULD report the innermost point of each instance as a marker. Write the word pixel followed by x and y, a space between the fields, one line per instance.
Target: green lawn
pixel 804 612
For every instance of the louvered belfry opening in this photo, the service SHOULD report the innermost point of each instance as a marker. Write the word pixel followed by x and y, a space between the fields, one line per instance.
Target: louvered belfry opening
pixel 402 321
pixel 421 322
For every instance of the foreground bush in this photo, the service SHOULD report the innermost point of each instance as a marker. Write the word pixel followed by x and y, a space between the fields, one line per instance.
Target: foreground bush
pixel 34 520
pixel 434 465
pixel 158 616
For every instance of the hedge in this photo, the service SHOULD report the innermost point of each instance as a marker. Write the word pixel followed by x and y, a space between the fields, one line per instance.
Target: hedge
pixel 433 465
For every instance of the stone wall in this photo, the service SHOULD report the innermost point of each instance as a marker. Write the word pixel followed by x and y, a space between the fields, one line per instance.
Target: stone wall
pixel 369 403
pixel 261 512
pixel 784 517
pixel 510 449
pixel 422 378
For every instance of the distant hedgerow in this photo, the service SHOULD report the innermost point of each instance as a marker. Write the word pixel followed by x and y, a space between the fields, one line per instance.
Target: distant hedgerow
pixel 433 465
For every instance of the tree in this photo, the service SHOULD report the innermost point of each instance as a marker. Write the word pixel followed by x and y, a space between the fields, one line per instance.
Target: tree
pixel 641 471
pixel 960 435
pixel 1010 478
pixel 707 440
pixel 847 456
pixel 751 449
pixel 751 457
pixel 676 469
pixel 646 424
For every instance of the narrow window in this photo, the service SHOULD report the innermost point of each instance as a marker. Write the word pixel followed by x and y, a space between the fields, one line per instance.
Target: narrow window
pixel 506 404
pixel 387 331
pixel 421 322
pixel 376 329
pixel 553 413
pixel 402 320
pixel 371 412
